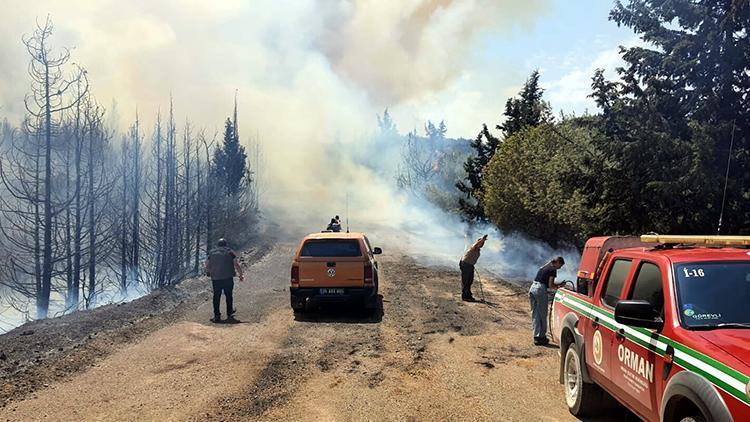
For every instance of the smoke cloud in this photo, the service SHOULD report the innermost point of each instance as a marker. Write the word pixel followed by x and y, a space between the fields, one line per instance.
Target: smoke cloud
pixel 311 76
pixel 397 51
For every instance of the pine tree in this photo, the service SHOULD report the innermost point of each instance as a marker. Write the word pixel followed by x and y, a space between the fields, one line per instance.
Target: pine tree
pixel 472 205
pixel 387 125
pixel 671 117
pixel 435 133
pixel 230 161
pixel 528 110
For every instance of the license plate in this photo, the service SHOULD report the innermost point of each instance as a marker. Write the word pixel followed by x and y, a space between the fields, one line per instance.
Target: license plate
pixel 332 291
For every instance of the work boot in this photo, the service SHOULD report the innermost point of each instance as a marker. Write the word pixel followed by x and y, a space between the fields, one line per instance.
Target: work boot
pixel 541 341
pixel 216 319
pixel 468 298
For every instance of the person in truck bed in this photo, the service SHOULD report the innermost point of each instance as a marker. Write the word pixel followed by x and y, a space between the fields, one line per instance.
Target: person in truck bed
pixel 334 225
pixel 545 278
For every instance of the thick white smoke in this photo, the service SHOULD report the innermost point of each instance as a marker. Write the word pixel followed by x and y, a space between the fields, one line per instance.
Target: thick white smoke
pixel 311 76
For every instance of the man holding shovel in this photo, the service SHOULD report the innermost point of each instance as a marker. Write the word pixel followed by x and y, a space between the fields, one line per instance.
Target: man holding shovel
pixel 466 265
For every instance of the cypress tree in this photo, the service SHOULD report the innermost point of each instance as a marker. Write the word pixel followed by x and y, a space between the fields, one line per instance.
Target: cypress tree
pixel 230 160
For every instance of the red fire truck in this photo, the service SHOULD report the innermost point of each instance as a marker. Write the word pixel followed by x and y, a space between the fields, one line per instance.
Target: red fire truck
pixel 660 323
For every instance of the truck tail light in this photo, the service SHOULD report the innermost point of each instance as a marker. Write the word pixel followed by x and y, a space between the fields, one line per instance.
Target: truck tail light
pixel 368 275
pixel 295 276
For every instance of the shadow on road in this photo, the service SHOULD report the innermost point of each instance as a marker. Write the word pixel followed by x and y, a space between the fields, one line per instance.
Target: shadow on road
pixel 615 415
pixel 613 412
pixel 342 313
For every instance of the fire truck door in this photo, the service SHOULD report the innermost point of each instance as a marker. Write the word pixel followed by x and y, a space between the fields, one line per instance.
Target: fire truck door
pixel 636 367
pixel 600 336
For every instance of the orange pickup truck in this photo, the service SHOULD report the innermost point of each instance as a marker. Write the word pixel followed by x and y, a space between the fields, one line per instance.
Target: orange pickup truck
pixel 334 267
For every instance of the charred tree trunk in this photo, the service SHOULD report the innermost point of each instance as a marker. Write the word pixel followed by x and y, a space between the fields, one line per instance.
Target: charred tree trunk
pixel 136 239
pixel 75 288
pixel 91 221
pixel 123 231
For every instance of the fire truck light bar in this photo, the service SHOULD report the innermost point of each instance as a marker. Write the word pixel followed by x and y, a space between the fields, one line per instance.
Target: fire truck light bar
pixel 701 240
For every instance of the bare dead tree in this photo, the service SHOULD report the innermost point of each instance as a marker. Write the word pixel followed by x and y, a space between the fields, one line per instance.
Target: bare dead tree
pixel 136 202
pixel 187 195
pixel 79 130
pixel 123 232
pixel 49 97
pixel 417 166
pixel 85 219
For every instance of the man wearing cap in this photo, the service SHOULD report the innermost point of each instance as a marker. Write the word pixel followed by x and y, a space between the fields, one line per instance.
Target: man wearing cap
pixel 222 265
pixel 466 265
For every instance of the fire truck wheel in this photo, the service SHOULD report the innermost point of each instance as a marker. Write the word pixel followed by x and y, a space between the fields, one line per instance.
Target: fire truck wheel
pixel 696 418
pixel 583 399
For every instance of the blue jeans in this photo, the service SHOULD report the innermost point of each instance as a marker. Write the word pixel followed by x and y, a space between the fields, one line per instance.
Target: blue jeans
pixel 538 301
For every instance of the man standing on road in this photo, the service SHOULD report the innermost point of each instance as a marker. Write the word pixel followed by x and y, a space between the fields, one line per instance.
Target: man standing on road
pixel 545 279
pixel 222 265
pixel 466 265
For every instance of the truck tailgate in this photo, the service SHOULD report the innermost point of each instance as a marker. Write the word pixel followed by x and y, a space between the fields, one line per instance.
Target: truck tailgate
pixel 340 272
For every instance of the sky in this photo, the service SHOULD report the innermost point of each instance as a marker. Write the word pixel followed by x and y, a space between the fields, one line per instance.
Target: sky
pixel 325 67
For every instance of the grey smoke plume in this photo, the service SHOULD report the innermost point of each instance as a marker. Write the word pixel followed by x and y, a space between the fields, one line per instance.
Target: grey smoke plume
pixel 399 50
pixel 311 76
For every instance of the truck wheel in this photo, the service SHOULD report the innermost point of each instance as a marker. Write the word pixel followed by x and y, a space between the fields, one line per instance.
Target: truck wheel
pixel 583 399
pixel 299 312
pixel 299 307
pixel 694 418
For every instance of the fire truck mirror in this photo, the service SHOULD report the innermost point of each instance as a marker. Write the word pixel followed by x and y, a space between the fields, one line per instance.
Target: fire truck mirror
pixel 638 313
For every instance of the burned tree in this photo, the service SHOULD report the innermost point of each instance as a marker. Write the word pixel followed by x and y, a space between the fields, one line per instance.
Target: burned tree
pixel 50 96
pixel 83 220
pixel 418 161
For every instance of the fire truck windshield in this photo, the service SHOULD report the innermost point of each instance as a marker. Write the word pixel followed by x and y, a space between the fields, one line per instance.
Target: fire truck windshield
pixel 714 295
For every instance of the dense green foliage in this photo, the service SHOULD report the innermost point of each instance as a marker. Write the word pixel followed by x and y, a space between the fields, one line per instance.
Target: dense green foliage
pixel 541 184
pixel 655 159
pixel 527 110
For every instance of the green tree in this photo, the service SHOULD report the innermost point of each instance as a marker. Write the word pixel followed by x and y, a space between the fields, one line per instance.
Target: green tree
pixel 230 161
pixel 681 101
pixel 543 181
pixel 471 204
pixel 528 109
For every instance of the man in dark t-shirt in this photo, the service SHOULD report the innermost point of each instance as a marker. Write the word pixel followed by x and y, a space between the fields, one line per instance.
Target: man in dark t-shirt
pixel 545 279
pixel 545 273
pixel 222 265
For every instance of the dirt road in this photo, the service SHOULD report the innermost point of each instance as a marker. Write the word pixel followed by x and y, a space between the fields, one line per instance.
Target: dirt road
pixel 425 356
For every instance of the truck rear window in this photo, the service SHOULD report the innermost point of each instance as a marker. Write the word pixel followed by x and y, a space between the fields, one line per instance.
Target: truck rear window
pixel 331 247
